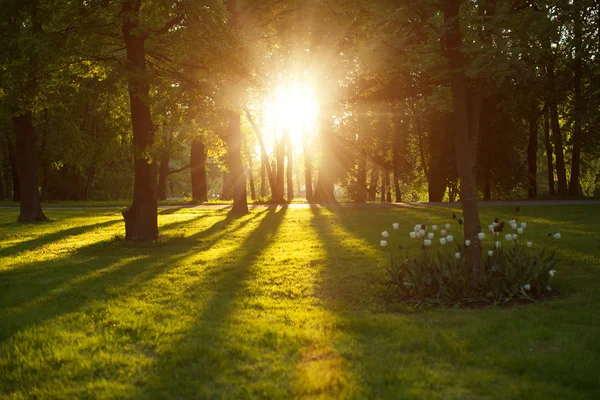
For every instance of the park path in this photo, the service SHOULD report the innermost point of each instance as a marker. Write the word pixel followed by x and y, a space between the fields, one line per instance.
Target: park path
pixel 513 203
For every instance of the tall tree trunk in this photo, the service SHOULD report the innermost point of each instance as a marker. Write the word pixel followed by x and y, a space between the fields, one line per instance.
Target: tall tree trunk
pixel 532 155
pixel 270 171
pixel 263 175
pixel 290 164
pixel 234 138
pixel 198 170
pixel 227 187
pixel 388 196
pixel 548 146
pixel 361 177
pixel 307 168
pixel 555 125
pixel 141 220
pixel 373 184
pixel 251 177
pixel 574 184
pixel 464 153
pixel 279 170
pixel 163 173
pixel 88 182
pixel 383 184
pixel 16 182
pixel 30 207
pixel 325 180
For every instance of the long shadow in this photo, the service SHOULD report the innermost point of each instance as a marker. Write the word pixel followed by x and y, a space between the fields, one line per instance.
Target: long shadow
pixel 92 272
pixel 437 345
pixel 198 359
pixel 43 240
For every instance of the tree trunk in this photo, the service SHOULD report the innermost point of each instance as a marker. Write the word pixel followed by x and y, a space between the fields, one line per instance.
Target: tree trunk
pixel 361 177
pixel 141 221
pixel 163 173
pixel 532 155
pixel 554 123
pixel 307 168
pixel 88 182
pixel 263 175
pixel 388 196
pixel 279 170
pixel 290 164
pixel 227 187
pixel 198 171
pixel 16 182
pixel 574 184
pixel 251 177
pixel 383 185
pixel 236 168
pixel 324 190
pixel 458 84
pixel 548 145
pixel 373 184
pixel 30 207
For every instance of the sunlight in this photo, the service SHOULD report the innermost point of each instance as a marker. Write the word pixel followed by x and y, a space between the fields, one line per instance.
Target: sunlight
pixel 292 108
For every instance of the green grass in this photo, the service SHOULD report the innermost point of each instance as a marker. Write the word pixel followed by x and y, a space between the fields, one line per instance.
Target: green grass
pixel 282 303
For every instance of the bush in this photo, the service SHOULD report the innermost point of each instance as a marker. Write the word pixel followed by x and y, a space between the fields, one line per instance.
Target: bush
pixel 440 276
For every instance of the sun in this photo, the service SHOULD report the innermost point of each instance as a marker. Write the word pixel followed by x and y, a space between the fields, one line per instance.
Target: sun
pixel 292 109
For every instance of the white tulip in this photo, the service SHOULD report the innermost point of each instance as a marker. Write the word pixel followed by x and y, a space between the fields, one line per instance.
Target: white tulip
pixel 481 235
pixel 557 235
pixel 514 226
pixel 383 243
pixel 442 241
pixel 551 273
pixel 498 244
pixel 467 243
pixel 430 235
pixel 422 231
pixel 448 227
pixel 449 238
pixel 520 231
pixel 443 232
pixel 457 255
pixel 494 224
pixel 514 236
pixel 490 253
pixel 413 235
pixel 548 287
pixel 491 228
pixel 417 228
pixel 434 227
pixel 508 236
pixel 523 225
pixel 427 242
pixel 395 225
pixel 528 244
pixel 385 234
pixel 527 287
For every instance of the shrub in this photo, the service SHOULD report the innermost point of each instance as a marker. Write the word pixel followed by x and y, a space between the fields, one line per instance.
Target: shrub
pixel 439 275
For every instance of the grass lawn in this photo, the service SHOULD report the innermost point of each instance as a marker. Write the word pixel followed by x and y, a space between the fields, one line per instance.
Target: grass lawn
pixel 282 303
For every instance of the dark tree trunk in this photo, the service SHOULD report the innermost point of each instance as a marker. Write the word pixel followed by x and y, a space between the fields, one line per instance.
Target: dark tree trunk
pixel 198 170
pixel 88 182
pixel 383 184
pixel 289 170
pixel 388 196
pixel 30 207
pixel 361 177
pixel 307 168
pixel 532 155
pixel 548 146
pixel 574 184
pixel 280 171
pixel 141 221
pixel 251 177
pixel 373 184
pixel 163 173
pixel 323 193
pixel 263 176
pixel 464 153
pixel 236 168
pixel 227 187
pixel 555 125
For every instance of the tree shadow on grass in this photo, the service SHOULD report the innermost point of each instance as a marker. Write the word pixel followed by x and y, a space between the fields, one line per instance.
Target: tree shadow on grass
pixel 197 365
pixel 34 293
pixel 440 353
